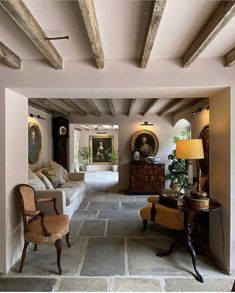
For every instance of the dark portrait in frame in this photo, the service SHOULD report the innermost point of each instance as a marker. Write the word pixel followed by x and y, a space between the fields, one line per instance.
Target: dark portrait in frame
pixel 101 146
pixel 34 143
pixel 146 142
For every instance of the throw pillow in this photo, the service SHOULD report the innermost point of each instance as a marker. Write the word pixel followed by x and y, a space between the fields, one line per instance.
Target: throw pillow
pixel 45 180
pixel 51 176
pixel 35 181
pixel 59 171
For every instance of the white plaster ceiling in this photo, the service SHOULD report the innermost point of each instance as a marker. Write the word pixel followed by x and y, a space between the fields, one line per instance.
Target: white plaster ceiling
pixel 122 26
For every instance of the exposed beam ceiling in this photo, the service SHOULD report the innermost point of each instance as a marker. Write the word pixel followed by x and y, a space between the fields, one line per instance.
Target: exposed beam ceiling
pixel 229 58
pixel 93 107
pixel 189 105
pixel 41 108
pixel 169 105
pixel 149 106
pixel 221 16
pixel 75 107
pixel 26 21
pixel 49 105
pixel 153 25
pixel 9 57
pixel 132 104
pixel 111 107
pixel 89 17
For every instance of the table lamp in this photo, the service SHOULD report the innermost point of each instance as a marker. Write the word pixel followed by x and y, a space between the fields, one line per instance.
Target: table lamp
pixel 189 149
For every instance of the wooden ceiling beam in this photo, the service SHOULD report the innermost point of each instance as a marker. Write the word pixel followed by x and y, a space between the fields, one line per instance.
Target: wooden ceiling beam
pixel 151 32
pixel 87 8
pixel 169 106
pixel 72 104
pixel 29 25
pixel 229 58
pixel 217 21
pixel 48 104
pixel 94 108
pixel 38 107
pixel 149 106
pixel 189 105
pixel 111 107
pixel 8 57
pixel 131 107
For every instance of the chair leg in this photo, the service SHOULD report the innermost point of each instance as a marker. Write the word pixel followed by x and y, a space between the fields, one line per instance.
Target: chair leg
pixel 67 240
pixel 58 245
pixel 23 256
pixel 145 223
pixel 35 247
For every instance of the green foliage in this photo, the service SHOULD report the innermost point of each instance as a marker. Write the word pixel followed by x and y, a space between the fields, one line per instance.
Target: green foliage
pixel 113 156
pixel 85 155
pixel 178 167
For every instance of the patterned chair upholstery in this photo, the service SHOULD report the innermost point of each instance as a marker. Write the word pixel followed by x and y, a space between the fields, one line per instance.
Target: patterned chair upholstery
pixel 40 229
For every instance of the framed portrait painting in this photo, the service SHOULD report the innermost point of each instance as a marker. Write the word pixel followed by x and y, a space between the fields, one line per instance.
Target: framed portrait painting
pixel 34 142
pixel 146 143
pixel 100 146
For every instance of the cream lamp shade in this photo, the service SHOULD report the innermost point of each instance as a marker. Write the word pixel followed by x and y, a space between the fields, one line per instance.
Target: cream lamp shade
pixel 189 149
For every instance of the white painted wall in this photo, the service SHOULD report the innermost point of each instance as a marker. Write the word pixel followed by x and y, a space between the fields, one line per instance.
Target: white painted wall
pixel 220 177
pixel 2 182
pixel 46 132
pixel 16 170
pixel 127 127
pixel 232 176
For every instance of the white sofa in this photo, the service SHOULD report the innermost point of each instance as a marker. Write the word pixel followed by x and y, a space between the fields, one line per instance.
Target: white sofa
pixel 69 195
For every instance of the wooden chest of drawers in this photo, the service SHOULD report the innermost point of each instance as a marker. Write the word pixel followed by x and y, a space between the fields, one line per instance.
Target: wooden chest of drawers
pixel 146 178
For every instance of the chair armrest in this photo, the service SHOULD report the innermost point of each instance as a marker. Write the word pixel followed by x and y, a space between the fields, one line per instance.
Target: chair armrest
pixel 35 215
pixel 31 213
pixel 153 199
pixel 59 196
pixel 77 176
pixel 49 199
pixel 46 199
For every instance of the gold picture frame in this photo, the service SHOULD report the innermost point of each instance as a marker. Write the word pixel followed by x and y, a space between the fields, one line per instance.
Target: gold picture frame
pixel 34 143
pixel 100 146
pixel 150 140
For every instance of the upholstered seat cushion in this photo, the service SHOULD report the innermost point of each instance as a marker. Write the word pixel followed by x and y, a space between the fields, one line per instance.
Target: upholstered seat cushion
pixel 165 216
pixel 57 226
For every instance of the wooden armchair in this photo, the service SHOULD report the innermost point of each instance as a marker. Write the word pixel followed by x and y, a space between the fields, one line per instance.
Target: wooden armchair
pixel 40 229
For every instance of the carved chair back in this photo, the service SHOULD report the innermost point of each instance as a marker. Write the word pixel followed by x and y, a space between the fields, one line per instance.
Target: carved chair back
pixel 27 202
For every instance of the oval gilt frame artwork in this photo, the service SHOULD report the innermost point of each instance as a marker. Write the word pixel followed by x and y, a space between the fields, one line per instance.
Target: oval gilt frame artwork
pixel 34 143
pixel 146 142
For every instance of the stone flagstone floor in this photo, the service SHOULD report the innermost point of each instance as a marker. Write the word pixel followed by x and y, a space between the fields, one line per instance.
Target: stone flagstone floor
pixel 111 253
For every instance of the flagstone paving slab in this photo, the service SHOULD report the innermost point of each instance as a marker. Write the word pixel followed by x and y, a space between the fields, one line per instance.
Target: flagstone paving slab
pixel 124 228
pixel 83 215
pixel 83 285
pixel 93 228
pixel 43 261
pixel 136 285
pixel 128 206
pixel 133 215
pixel 27 284
pixel 104 257
pixel 191 285
pixel 103 206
